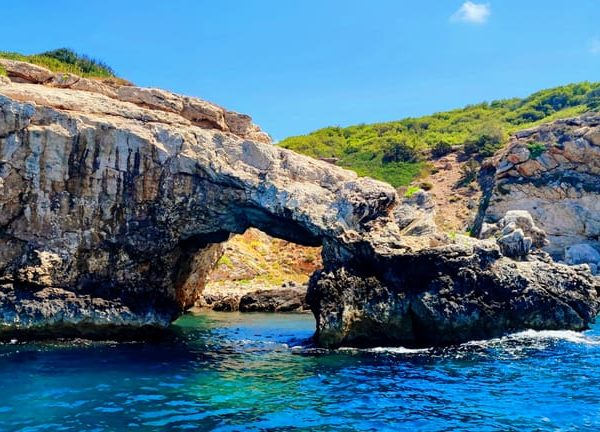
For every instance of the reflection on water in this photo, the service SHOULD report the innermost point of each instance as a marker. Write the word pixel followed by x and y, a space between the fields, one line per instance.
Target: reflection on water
pixel 230 372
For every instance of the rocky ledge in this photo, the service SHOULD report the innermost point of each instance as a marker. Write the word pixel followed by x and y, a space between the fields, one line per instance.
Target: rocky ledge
pixel 114 201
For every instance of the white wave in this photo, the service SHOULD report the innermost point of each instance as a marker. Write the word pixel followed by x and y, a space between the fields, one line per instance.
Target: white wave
pixel 398 350
pixel 539 338
pixel 384 350
pixel 565 335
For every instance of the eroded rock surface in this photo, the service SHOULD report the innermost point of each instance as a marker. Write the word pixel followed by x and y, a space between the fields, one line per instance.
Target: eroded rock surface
pixel 125 202
pixel 113 206
pixel 553 172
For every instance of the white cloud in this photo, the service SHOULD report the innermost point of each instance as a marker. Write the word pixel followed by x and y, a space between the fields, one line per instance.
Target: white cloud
pixel 595 46
pixel 474 13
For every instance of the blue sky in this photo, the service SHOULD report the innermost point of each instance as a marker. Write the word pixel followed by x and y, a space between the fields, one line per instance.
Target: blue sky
pixel 296 66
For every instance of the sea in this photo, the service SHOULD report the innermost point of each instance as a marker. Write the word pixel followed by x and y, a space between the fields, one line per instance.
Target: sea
pixel 260 372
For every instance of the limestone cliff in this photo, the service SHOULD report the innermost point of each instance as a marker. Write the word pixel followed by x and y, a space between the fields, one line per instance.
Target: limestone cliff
pixel 114 200
pixel 553 172
pixel 124 196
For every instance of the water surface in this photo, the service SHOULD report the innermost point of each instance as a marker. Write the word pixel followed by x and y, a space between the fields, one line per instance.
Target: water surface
pixel 234 372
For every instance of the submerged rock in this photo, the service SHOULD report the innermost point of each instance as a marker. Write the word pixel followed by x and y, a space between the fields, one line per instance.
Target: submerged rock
pixel 114 205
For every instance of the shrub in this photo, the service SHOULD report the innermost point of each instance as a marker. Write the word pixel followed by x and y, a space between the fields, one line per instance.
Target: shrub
pixel 83 62
pixel 2 71
pixel 469 171
pixel 442 148
pixel 536 149
pixel 485 141
pixel 426 186
pixel 400 152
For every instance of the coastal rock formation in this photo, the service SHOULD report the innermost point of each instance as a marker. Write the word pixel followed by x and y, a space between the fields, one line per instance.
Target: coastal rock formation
pixel 451 294
pixel 516 233
pixel 114 205
pixel 290 299
pixel 552 172
pixel 127 201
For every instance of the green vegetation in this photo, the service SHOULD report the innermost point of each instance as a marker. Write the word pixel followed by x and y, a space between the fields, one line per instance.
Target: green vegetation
pixel 226 261
pixel 411 190
pixel 536 149
pixel 65 60
pixel 441 149
pixel 468 172
pixel 395 151
pixel 2 71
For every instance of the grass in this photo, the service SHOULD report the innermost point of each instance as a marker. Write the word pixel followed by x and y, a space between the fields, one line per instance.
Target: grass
pixel 411 190
pixel 65 61
pixel 482 128
pixel 536 149
pixel 2 71
pixel 226 261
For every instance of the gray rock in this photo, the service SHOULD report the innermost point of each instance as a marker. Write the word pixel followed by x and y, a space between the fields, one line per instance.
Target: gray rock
pixel 513 242
pixel 274 300
pixel 582 253
pixel 450 295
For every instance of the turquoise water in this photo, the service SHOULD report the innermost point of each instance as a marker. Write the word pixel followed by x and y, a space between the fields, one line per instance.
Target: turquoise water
pixel 232 372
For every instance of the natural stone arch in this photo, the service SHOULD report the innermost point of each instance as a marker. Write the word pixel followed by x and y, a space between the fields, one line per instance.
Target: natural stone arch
pixel 110 204
pixel 127 210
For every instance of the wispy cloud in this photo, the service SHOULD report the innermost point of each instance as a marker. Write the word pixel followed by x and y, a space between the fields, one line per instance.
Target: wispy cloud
pixel 595 46
pixel 474 13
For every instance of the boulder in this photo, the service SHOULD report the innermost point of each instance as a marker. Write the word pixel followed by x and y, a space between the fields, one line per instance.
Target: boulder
pixel 513 243
pixel 274 300
pixel 26 72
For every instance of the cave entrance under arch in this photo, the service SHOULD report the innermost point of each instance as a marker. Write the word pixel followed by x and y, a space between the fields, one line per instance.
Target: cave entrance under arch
pixel 256 272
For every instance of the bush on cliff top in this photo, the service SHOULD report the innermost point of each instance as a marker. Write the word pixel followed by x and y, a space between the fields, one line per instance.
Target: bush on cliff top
pixel 371 149
pixel 66 61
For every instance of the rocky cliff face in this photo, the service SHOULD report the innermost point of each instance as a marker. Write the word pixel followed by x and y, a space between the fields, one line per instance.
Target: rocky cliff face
pixel 124 196
pixel 553 172
pixel 114 201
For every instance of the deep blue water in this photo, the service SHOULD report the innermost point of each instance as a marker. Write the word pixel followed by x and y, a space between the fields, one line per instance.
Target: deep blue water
pixel 232 372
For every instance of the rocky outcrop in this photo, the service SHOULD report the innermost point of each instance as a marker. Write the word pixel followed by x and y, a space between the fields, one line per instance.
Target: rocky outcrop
pixel 113 208
pixel 196 111
pixel 516 234
pixel 291 299
pixel 288 297
pixel 445 295
pixel 552 172
pixel 127 203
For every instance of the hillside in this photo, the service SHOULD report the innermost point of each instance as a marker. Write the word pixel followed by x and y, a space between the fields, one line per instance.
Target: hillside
pixel 398 151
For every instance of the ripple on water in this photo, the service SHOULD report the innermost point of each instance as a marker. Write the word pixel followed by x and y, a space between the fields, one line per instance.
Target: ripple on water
pixel 233 372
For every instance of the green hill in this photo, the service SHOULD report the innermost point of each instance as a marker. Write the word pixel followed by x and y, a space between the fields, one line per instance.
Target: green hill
pixel 396 151
pixel 66 61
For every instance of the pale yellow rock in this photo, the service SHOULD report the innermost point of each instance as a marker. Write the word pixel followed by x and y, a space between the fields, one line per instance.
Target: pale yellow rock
pixel 26 71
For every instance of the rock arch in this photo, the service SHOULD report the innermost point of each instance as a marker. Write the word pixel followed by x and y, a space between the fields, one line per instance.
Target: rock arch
pixel 113 203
